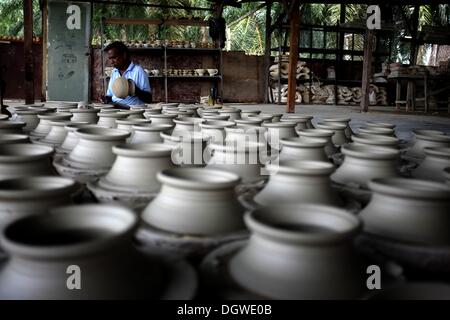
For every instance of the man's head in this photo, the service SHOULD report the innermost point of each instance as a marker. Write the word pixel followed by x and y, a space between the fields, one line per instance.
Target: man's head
pixel 118 54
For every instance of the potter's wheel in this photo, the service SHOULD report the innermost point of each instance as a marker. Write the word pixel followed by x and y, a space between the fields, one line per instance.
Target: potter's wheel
pixel 182 244
pixel 107 192
pixel 69 168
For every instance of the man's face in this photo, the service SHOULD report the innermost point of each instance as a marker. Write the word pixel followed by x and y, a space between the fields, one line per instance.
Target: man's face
pixel 117 60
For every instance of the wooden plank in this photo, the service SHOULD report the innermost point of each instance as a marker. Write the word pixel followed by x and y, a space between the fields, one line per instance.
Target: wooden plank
pixel 168 22
pixel 44 10
pixel 28 51
pixel 294 18
pixel 267 50
pixel 367 69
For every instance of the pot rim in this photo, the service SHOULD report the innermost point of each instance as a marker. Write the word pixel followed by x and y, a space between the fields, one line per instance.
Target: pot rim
pixel 197 136
pixel 180 112
pixel 370 152
pixel 281 124
pixel 375 139
pixel 75 126
pixel 132 111
pixel 27 152
pixel 116 115
pixel 251 146
pixel 229 111
pixel 331 126
pixel 55 116
pixel 296 142
pixel 5 137
pixel 248 121
pixel 35 187
pixel 244 130
pixel 216 124
pixel 12 124
pixel 132 121
pixel 188 121
pixel 60 123
pixel 30 112
pixel 337 119
pixel 425 132
pixel 302 167
pixel 84 110
pixel 315 132
pixel 102 134
pixel 376 130
pixel 260 222
pixel 188 178
pixel 410 188
pixel 440 152
pixel 294 120
pixel 73 217
pixel 262 116
pixel 142 150
pixel 251 111
pixel 217 117
pixel 295 116
pixel 151 127
pixel 162 115
pixel 435 137
pixel 380 124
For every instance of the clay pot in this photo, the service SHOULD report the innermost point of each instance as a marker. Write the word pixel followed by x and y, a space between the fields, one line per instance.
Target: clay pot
pixel 278 131
pixel 11 127
pixel 101 106
pixel 233 114
pixel 71 139
pixel 189 108
pixel 135 167
pixel 248 122
pixel 339 138
pixel 3 117
pixel 243 159
pixel 378 124
pixel 266 118
pixel 95 238
pixel 127 124
pixel 209 112
pixel 9 138
pixel 276 117
pixel 246 113
pixel 298 149
pixel 24 159
pixel 436 160
pixel 375 140
pixel 303 121
pixel 57 133
pixel 196 202
pixel 108 119
pixel 377 131
pixel 414 211
pixel 296 182
pixel 30 117
pixel 33 195
pixel 296 252
pixel 85 115
pixel 184 125
pixel 339 120
pixel 149 132
pixel 94 149
pixel 308 134
pixel 215 130
pixel 162 118
pixel 44 126
pixel 364 163
pixel 427 139
pixel 216 117
pixel 181 113
pixel 149 112
pixel 189 149
pixel 236 135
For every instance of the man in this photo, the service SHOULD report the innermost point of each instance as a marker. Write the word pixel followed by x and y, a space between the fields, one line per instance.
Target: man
pixel 119 56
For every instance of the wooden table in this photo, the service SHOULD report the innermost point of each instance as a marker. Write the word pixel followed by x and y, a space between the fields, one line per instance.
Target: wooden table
pixel 410 101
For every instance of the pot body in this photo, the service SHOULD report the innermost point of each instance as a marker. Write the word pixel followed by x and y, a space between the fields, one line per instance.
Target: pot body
pixel 340 137
pixel 422 141
pixel 30 118
pixel 303 151
pixel 88 115
pixel 278 131
pixel 432 167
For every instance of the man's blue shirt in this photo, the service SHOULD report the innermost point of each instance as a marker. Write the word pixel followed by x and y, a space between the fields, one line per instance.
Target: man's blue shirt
pixel 140 78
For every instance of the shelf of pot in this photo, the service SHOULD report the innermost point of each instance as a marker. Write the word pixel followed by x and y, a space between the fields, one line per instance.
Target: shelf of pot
pixel 196 77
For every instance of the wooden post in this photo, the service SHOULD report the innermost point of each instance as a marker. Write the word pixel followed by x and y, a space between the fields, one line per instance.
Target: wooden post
pixel 268 46
pixel 415 26
pixel 367 69
pixel 44 11
pixel 28 51
pixel 294 18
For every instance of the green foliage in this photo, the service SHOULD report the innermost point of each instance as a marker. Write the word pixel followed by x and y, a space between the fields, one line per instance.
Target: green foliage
pixel 11 22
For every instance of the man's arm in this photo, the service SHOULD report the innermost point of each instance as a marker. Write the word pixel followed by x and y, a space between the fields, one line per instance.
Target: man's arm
pixel 143 91
pixel 143 95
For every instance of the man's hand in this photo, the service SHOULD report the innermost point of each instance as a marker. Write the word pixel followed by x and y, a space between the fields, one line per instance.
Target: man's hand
pixel 143 95
pixel 106 99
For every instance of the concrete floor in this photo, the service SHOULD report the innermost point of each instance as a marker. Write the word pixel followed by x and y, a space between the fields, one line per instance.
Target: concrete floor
pixel 404 122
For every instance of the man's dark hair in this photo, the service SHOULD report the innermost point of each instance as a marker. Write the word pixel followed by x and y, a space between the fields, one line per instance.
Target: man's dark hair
pixel 119 46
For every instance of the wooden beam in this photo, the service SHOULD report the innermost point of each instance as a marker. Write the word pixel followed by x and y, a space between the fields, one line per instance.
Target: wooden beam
pixel 28 51
pixel 268 45
pixel 414 34
pixel 44 11
pixel 367 68
pixel 294 17
pixel 168 22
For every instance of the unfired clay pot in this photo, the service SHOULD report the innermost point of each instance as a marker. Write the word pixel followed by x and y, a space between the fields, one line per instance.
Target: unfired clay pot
pixel 339 138
pixel 246 113
pixel 379 124
pixel 71 138
pixel 133 113
pixel 184 125
pixel 266 118
pixel 297 182
pixel 24 159
pixel 432 167
pixel 375 140
pixel 298 149
pixel 215 129
pixel 44 126
pixel 196 202
pixel 377 131
pixel 108 119
pixel 57 133
pixel 300 252
pixel 94 149
pixel 277 131
pixel 85 115
pixel 33 195
pixel 427 139
pixel 341 120
pixel 303 121
pixel 127 124
pixel 209 112
pixel 181 113
pixel 30 117
pixel 97 239
pixel 162 118
pixel 234 114
pixel 149 112
pixel 248 122
pixel 409 210
pixel 217 117
pixel 3 117
pixel 243 159
pixel 364 163
pixel 13 127
pixel 251 134
pixel 188 150
pixel 9 138
pixel 149 132
pixel 312 134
